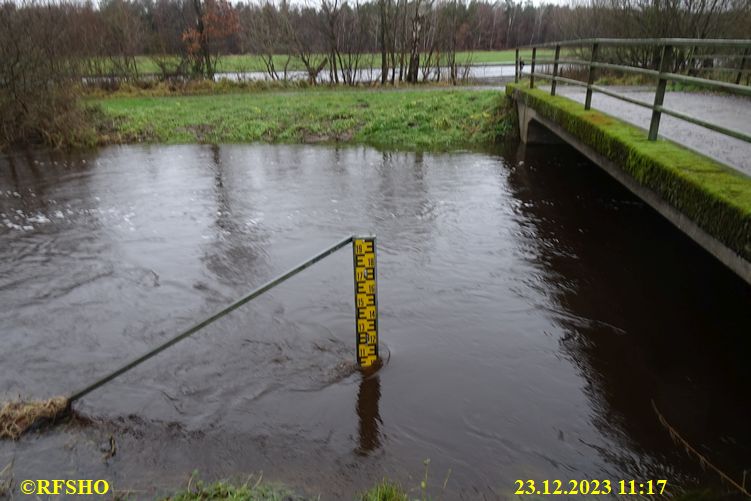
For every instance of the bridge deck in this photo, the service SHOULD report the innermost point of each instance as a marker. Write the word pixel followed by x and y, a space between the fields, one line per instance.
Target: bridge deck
pixel 729 111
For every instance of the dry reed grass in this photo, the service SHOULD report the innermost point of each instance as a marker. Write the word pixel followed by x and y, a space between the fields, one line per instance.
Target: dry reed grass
pixel 17 417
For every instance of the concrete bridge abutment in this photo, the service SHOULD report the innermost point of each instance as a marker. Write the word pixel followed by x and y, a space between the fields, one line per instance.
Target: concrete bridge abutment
pixel 531 130
pixel 667 195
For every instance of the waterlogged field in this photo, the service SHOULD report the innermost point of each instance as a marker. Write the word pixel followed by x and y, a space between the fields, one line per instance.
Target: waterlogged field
pixel 240 63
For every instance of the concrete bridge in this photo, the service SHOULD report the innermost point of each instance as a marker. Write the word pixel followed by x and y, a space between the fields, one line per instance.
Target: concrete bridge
pixel 706 198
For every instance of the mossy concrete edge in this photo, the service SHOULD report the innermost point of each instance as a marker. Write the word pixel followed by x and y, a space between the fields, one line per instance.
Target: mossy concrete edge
pixel 715 197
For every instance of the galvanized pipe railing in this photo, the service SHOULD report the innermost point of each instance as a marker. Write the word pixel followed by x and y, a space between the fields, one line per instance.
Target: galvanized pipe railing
pixel 666 54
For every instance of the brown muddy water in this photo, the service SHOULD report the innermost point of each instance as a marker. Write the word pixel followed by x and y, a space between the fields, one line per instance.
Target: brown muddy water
pixel 532 309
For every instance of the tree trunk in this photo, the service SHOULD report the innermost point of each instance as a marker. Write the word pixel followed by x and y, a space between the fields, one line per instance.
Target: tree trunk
pixel 384 61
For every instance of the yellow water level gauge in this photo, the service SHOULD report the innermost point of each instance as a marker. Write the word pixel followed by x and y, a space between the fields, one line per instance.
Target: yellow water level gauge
pixel 366 300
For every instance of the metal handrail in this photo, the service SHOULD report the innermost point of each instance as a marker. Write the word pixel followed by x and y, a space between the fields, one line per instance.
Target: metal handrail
pixel 636 69
pixel 675 42
pixel 663 74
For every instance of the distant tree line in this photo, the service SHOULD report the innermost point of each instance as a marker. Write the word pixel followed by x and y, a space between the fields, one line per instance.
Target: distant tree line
pixel 187 37
pixel 403 38
pixel 662 19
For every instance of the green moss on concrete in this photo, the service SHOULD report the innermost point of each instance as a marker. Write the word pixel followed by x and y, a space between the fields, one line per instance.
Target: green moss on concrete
pixel 714 196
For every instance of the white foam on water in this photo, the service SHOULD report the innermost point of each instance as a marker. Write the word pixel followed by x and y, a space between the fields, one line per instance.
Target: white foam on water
pixel 39 218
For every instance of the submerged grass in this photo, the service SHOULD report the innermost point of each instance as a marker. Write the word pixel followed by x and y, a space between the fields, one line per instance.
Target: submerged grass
pixel 18 417
pixel 401 119
pixel 6 481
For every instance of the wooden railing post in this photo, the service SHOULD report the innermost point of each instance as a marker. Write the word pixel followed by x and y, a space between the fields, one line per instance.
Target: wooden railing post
pixel 665 63
pixel 591 78
pixel 532 69
pixel 516 67
pixel 555 69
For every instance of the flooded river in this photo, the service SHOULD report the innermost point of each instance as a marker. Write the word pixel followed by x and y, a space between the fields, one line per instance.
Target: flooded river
pixel 532 310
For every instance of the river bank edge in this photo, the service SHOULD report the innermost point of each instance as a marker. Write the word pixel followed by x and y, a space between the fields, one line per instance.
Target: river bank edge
pixel 404 119
pixel 410 118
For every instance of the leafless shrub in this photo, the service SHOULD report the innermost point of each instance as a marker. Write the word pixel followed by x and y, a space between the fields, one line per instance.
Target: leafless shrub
pixel 38 62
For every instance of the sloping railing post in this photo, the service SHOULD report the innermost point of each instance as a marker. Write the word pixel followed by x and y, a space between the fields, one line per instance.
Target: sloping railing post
pixel 516 67
pixel 665 63
pixel 740 69
pixel 532 69
pixel 591 77
pixel 555 69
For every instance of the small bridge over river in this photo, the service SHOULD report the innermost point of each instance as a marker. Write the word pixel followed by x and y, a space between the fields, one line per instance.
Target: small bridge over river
pixel 695 169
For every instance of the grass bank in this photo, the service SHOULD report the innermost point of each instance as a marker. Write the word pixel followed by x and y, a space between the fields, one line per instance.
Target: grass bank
pixel 399 119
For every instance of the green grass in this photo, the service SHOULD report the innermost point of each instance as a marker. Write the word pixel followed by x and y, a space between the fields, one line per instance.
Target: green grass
pixel 252 62
pixel 229 491
pixel 262 491
pixel 714 196
pixel 400 119
pixel 385 491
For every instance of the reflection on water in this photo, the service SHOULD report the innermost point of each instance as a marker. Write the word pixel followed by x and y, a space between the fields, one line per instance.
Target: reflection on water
pixel 679 360
pixel 367 412
pixel 534 309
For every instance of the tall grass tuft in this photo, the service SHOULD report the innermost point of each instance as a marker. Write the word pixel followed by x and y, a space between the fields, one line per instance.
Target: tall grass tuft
pixel 385 491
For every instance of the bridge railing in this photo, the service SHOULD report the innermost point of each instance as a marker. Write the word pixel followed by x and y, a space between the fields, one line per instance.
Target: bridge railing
pixel 665 58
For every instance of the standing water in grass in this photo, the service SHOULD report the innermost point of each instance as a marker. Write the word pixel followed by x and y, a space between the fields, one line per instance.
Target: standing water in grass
pixel 532 311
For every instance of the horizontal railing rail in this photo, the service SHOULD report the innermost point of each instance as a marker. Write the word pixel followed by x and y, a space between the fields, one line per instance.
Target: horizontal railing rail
pixel 664 69
pixel 675 42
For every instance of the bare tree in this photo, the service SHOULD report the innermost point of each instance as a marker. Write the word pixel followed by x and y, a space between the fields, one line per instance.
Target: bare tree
pixel 124 35
pixel 305 42
pixel 262 31
pixel 39 57
pixel 214 23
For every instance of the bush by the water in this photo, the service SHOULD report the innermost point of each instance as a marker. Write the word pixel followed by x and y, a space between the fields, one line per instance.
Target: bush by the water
pixel 37 68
